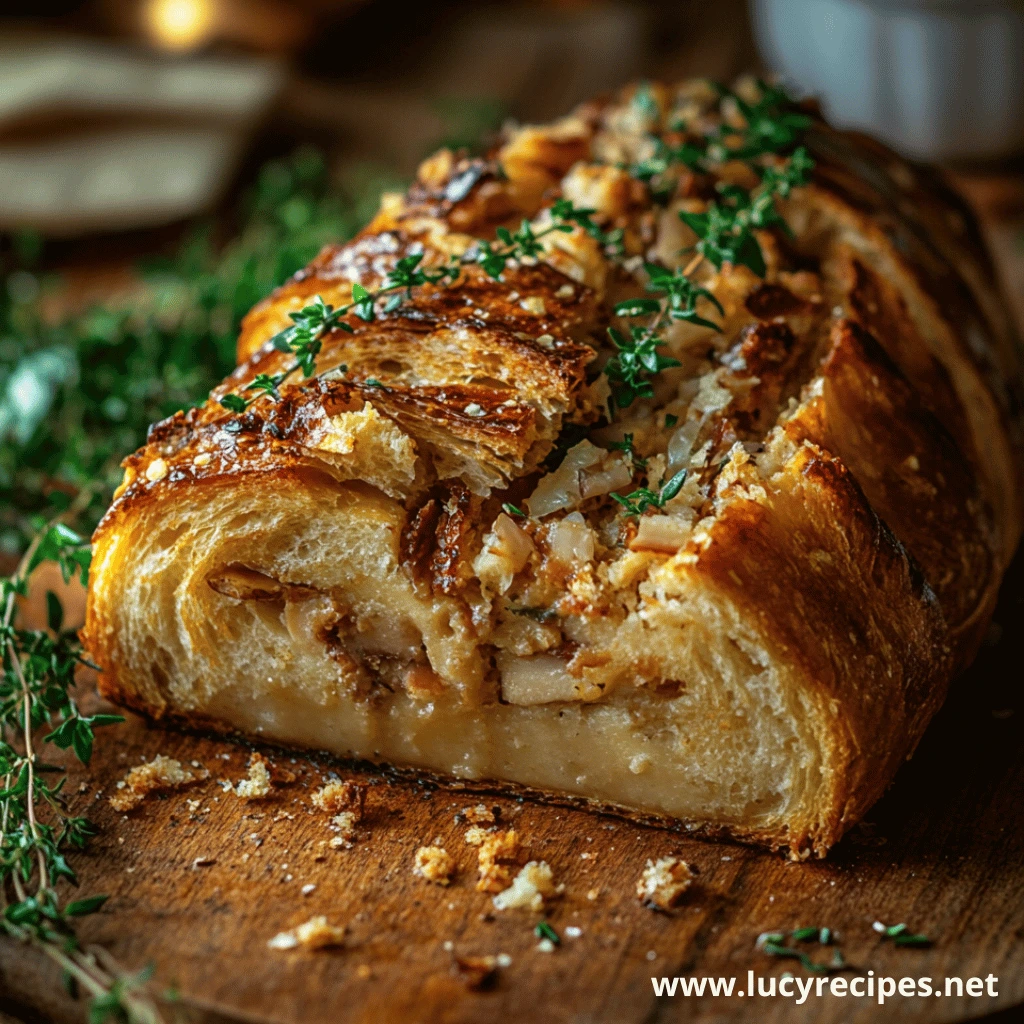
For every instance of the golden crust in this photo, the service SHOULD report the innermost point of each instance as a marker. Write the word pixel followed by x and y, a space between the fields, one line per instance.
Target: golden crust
pixel 854 496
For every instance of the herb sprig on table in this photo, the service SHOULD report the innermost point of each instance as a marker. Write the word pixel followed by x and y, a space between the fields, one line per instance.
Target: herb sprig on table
pixel 37 825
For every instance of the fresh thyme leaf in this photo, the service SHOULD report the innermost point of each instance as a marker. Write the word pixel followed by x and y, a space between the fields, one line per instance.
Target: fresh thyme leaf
pixel 362 304
pixel 82 908
pixel 671 419
pixel 901 935
pixel 626 445
pixel 54 611
pixel 543 930
pixel 266 384
pixel 565 213
pixel 637 359
pixel 664 156
pixel 62 545
pixel 804 934
pixel 525 243
pixel 725 230
pixel 637 502
pixel 234 403
pixel 513 510
pixel 681 294
pixel 637 307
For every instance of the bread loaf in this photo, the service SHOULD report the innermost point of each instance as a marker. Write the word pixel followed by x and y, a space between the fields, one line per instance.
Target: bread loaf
pixel 724 584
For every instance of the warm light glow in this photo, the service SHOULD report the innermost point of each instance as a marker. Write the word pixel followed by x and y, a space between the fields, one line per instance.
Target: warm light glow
pixel 180 24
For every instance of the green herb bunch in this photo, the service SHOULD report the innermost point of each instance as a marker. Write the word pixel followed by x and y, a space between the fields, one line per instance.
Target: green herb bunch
pixel 37 827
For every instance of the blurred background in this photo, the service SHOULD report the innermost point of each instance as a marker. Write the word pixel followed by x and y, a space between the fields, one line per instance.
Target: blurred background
pixel 165 163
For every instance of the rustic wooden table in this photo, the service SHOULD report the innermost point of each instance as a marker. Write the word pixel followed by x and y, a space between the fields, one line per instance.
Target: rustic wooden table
pixel 197 889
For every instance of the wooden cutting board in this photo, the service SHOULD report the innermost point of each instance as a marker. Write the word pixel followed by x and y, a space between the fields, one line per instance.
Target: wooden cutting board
pixel 198 890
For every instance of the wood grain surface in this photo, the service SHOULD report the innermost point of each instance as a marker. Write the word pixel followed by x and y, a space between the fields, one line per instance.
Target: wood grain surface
pixel 199 889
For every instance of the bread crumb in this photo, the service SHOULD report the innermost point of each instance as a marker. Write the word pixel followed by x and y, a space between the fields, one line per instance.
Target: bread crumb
pixel 533 304
pixel 341 797
pixel 480 815
pixel 162 773
pixel 434 864
pixel 478 972
pixel 475 835
pixel 662 884
pixel 257 785
pixel 316 933
pixel 531 887
pixel 545 946
pixel 499 853
pixel 156 470
pixel 363 972
pixel 345 824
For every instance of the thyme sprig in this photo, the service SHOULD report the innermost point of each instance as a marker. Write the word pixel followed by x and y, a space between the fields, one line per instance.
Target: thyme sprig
pixel 524 243
pixel 774 123
pixel 637 502
pixel 725 231
pixel 37 827
pixel 304 336
pixel 626 446
pixel 635 362
pixel 311 324
pixel 637 359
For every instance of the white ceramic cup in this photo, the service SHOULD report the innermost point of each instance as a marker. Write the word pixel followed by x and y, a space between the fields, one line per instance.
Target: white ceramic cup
pixel 936 79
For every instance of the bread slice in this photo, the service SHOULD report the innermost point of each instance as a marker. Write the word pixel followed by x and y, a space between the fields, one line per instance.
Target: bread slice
pixel 348 568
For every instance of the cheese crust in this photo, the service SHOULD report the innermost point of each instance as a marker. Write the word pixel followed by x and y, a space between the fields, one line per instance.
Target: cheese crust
pixel 346 568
